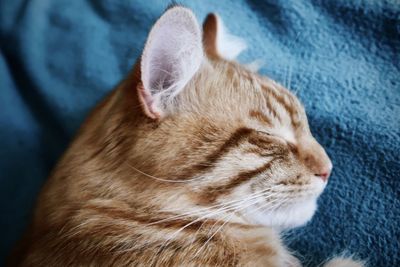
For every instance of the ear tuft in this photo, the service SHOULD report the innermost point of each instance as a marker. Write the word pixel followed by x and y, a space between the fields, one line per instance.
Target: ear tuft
pixel 172 55
pixel 218 42
pixel 255 65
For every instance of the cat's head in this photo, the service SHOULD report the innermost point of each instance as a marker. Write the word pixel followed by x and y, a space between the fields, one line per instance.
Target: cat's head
pixel 224 134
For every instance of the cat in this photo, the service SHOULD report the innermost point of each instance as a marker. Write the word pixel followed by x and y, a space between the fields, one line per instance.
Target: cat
pixel 193 160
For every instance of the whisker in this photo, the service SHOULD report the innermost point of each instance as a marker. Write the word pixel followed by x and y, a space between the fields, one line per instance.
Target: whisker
pixel 221 226
pixel 218 211
pixel 223 207
pixel 226 204
pixel 290 75
pixel 160 179
pixel 210 238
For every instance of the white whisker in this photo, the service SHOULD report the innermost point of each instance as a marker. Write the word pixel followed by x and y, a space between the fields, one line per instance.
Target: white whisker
pixel 160 179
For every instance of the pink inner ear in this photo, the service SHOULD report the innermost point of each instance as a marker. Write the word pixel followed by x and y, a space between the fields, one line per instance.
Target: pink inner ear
pixel 147 103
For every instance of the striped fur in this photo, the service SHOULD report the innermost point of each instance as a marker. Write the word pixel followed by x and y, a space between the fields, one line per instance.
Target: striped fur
pixel 207 185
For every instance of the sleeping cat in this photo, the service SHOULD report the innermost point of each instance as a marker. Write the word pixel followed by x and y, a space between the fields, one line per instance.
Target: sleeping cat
pixel 193 160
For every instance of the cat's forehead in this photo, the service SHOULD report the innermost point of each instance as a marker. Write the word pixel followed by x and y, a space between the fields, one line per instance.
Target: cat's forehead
pixel 230 74
pixel 236 95
pixel 235 83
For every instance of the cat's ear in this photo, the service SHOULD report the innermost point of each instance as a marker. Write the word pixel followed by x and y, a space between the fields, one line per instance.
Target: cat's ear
pixel 218 43
pixel 172 55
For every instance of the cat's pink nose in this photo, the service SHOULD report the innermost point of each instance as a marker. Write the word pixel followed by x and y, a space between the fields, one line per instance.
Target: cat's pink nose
pixel 315 159
pixel 325 171
pixel 324 176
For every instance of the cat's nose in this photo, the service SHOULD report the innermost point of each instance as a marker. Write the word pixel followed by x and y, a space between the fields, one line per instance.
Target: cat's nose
pixel 323 169
pixel 324 175
pixel 316 159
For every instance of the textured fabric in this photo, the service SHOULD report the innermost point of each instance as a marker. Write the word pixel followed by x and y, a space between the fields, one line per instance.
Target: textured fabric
pixel 58 58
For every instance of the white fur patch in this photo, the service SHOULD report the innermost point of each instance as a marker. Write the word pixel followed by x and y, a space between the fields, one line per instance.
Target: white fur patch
pixel 290 216
pixel 284 218
pixel 285 133
pixel 228 46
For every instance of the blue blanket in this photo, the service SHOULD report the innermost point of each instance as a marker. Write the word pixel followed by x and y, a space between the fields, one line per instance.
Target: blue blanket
pixel 342 58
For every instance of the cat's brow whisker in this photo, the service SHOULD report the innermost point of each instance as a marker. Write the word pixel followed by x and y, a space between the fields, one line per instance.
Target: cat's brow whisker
pixel 286 75
pixel 290 75
pixel 288 69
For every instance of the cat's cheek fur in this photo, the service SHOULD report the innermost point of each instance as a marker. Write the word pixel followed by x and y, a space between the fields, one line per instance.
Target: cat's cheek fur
pixel 284 218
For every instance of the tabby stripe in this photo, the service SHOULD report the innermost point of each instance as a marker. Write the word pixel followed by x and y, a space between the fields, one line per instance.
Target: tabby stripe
pixel 190 224
pixel 289 108
pixel 267 146
pixel 260 116
pixel 211 193
pixel 261 141
pixel 272 109
pixel 234 140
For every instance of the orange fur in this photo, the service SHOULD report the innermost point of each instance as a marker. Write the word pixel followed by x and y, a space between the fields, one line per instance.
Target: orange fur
pixel 137 188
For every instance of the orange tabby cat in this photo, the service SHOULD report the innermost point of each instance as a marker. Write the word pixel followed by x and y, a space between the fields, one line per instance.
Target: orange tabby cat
pixel 193 160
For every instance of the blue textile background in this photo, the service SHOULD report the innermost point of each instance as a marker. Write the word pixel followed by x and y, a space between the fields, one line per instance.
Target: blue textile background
pixel 58 58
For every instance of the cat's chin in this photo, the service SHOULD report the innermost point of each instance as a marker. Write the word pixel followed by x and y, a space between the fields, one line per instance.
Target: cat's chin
pixel 284 218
